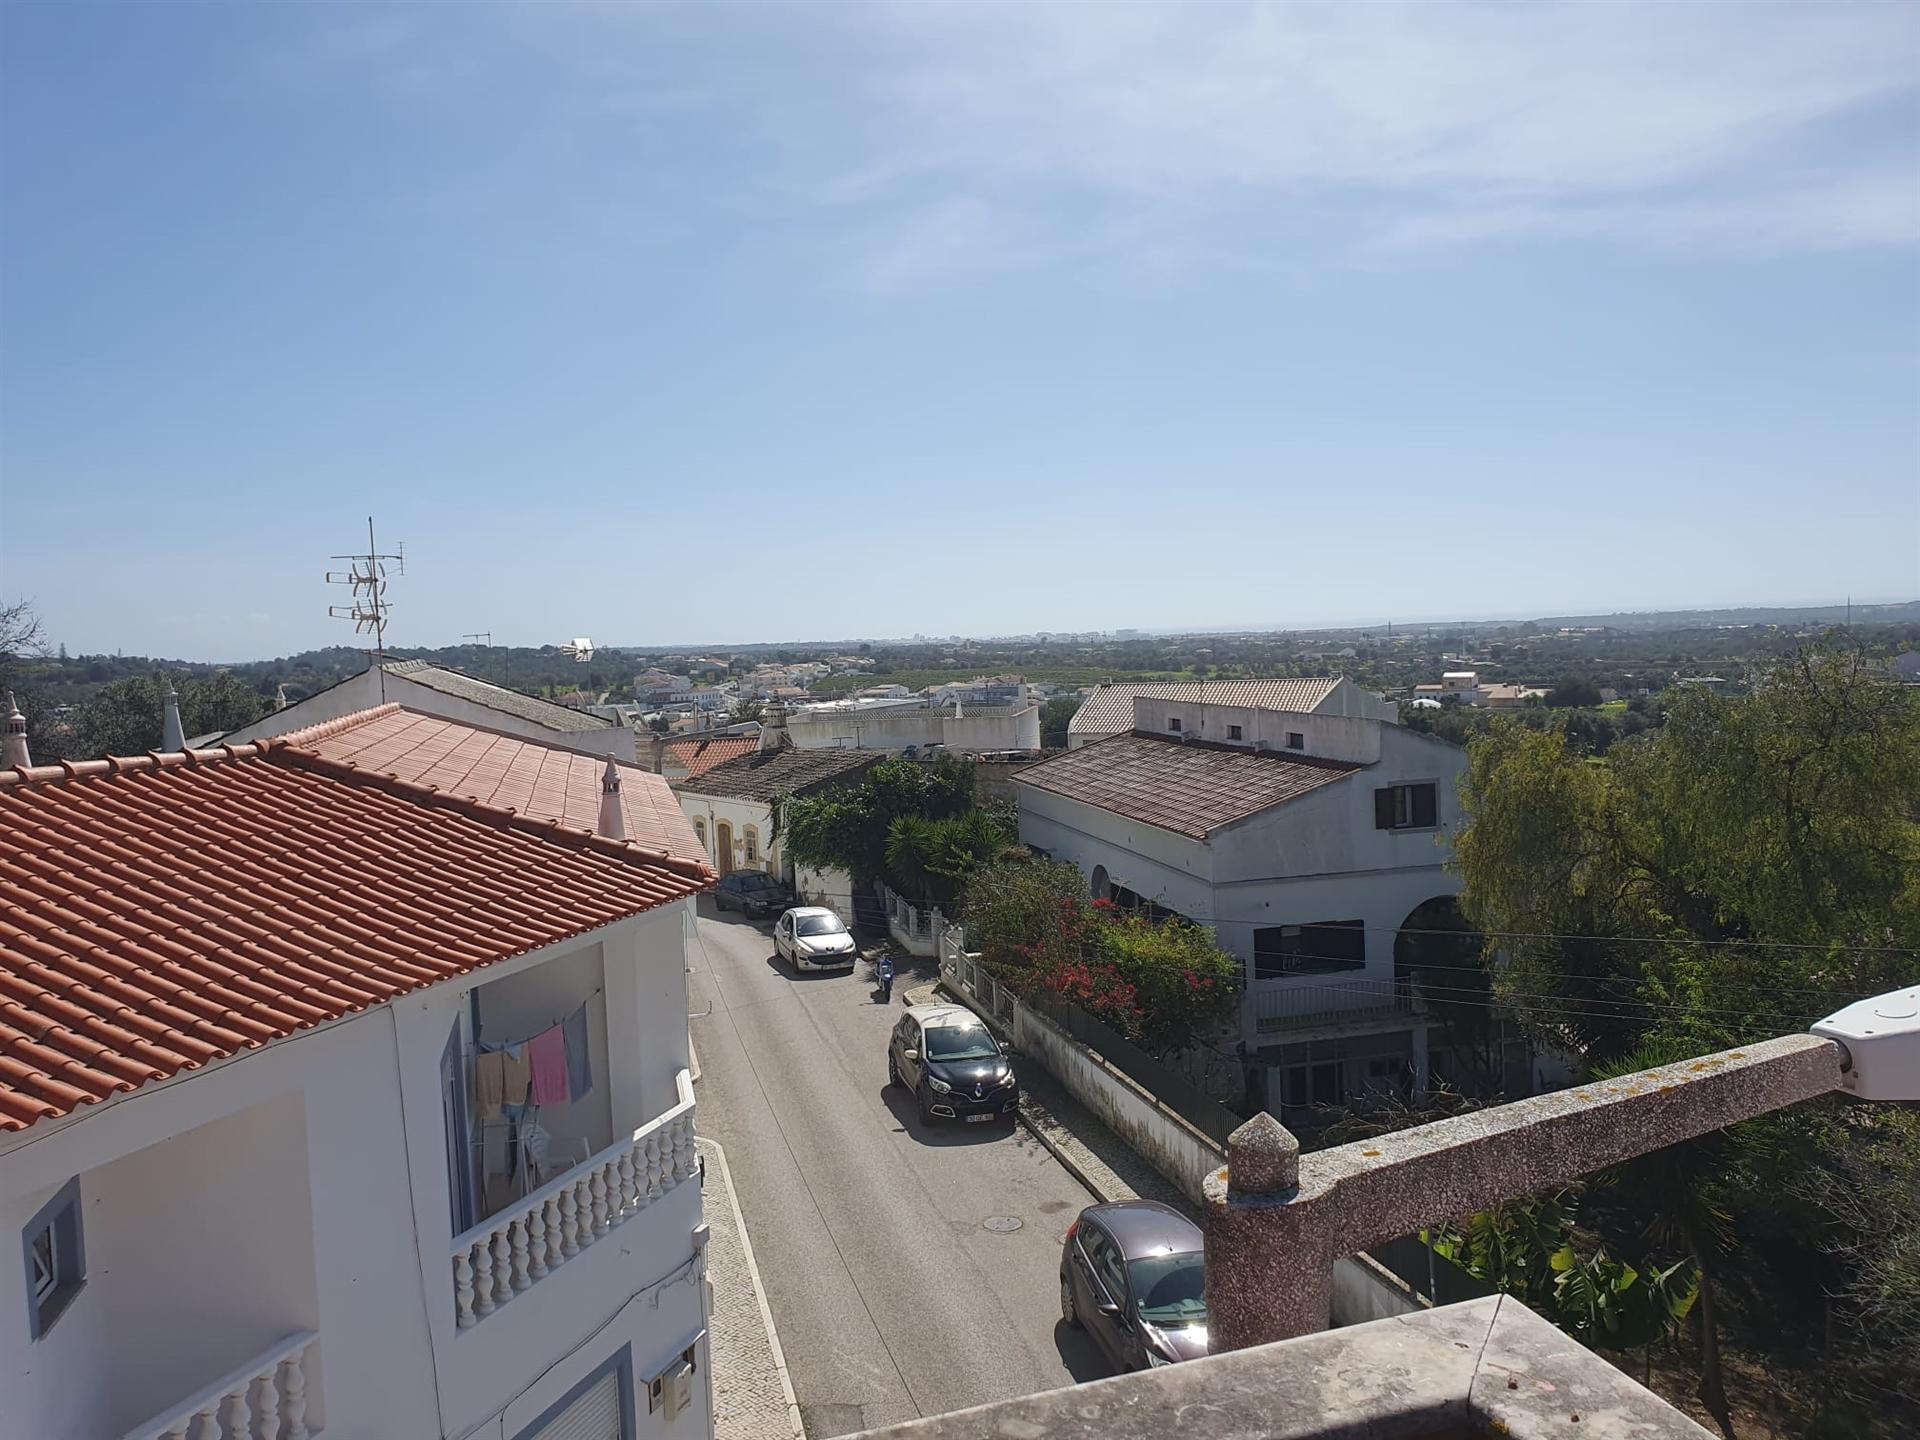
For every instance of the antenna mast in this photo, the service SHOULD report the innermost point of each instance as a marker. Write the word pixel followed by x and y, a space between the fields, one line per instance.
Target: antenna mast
pixel 366 577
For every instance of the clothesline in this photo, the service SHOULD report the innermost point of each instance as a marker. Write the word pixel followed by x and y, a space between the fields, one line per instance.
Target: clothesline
pixel 548 1068
pixel 481 1024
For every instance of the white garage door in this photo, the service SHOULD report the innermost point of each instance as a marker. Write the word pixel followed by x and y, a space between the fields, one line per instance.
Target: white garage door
pixel 594 1415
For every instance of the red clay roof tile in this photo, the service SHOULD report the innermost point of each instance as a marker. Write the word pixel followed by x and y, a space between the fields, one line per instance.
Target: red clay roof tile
pixel 165 911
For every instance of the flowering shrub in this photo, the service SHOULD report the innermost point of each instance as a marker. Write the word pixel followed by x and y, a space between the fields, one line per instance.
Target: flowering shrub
pixel 1160 983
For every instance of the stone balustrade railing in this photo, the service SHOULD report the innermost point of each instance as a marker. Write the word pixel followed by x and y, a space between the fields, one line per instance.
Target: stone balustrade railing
pixel 265 1399
pixel 509 1253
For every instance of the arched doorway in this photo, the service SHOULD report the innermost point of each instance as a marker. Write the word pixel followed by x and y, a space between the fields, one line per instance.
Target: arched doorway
pixel 1438 951
pixel 1097 882
pixel 723 846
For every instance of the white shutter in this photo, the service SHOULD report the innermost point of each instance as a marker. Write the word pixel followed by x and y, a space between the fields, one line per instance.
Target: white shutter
pixel 594 1416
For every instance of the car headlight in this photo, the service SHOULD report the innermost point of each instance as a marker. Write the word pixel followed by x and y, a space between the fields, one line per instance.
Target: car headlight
pixel 1155 1360
pixel 939 1087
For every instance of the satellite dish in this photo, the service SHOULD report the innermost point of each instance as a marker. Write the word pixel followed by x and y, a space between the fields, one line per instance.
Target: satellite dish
pixel 581 649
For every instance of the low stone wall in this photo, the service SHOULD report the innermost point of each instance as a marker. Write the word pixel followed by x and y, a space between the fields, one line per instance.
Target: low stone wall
pixel 1162 1138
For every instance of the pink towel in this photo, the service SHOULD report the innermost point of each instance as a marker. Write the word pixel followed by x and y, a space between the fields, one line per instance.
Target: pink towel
pixel 547 1055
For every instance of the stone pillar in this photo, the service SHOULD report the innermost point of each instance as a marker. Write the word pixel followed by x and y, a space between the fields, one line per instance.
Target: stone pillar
pixel 1269 1276
pixel 1421 1077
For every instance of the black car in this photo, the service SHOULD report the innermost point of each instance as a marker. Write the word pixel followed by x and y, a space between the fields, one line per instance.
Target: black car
pixel 1133 1274
pixel 953 1065
pixel 752 892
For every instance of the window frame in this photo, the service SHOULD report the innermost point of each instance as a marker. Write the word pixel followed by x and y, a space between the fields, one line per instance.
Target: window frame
pixel 1296 740
pixel 1234 732
pixel 750 837
pixel 1173 725
pixel 1393 802
pixel 1283 962
pixel 622 1361
pixel 59 1219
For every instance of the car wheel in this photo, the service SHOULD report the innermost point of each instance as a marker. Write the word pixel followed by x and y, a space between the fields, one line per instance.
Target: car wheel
pixel 893 1069
pixel 1069 1312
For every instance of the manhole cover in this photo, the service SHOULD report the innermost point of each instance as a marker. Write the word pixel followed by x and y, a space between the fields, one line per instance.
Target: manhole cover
pixel 1001 1224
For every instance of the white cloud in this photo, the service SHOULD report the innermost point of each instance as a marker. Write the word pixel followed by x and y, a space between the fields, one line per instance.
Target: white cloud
pixel 1378 129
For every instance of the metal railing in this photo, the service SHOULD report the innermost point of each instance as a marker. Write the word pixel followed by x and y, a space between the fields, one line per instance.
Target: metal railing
pixel 1285 1005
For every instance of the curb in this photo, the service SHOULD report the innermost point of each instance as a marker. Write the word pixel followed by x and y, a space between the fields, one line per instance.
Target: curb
pixel 1053 1148
pixel 759 1292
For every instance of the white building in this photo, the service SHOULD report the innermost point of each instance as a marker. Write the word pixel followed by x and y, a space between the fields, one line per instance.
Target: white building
pixel 247 1136
pixel 1108 708
pixel 736 808
pixel 915 724
pixel 1305 840
pixel 438 690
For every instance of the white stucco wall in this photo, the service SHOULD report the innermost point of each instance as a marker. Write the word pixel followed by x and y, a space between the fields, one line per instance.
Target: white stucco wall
pixel 199 1248
pixel 1311 860
pixel 363 691
pixel 895 727
pixel 710 810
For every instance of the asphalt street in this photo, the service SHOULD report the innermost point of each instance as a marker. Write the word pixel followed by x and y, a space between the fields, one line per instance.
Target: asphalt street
pixel 892 1297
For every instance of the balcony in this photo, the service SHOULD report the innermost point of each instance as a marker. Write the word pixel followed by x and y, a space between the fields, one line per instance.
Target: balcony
pixel 510 1252
pixel 266 1397
pixel 1284 1009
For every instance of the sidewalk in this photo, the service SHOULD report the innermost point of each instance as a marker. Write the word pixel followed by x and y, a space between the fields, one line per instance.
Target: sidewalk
pixel 752 1396
pixel 1099 1159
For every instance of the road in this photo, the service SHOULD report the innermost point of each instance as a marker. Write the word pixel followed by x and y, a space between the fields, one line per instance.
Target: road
pixel 891 1297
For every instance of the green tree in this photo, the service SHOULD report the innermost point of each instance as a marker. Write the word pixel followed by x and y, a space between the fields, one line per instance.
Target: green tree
pixel 849 828
pixel 1055 716
pixel 1573 690
pixel 126 716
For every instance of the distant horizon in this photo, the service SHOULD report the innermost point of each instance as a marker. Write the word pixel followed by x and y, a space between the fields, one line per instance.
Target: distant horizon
pixel 396 644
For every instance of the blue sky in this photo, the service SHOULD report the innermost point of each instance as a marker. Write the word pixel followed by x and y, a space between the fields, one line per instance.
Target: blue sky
pixel 663 322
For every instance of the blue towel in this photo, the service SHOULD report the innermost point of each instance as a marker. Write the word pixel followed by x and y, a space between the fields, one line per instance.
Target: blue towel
pixel 579 1059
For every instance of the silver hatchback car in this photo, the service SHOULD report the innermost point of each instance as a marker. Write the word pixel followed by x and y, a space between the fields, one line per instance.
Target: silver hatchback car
pixel 814 938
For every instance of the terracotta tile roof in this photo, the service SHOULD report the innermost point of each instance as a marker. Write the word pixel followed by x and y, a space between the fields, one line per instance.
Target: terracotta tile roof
pixel 1190 788
pixel 779 772
pixel 508 772
pixel 698 754
pixel 497 697
pixel 160 913
pixel 1109 709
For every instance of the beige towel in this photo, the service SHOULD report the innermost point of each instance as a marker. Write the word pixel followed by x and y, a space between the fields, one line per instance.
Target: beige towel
pixel 516 1074
pixel 490 1083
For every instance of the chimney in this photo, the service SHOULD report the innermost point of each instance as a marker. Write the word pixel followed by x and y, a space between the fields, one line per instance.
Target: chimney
pixel 773 727
pixel 16 744
pixel 279 698
pixel 612 824
pixel 172 737
pixel 657 747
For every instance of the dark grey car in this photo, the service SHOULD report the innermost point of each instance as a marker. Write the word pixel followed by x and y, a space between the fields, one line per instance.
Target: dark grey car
pixel 1133 1275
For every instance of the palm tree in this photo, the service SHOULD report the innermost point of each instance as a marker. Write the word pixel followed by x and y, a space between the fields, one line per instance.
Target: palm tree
pixel 1675 1188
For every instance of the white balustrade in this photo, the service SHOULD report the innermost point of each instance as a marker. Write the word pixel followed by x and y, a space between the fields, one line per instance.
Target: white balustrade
pixel 265 1399
pixel 509 1253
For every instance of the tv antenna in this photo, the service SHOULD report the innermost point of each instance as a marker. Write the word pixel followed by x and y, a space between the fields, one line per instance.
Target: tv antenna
pixel 366 579
pixel 485 638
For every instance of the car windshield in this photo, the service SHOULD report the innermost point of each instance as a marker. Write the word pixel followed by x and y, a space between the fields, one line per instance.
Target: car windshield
pixel 819 925
pixel 752 882
pixel 961 1042
pixel 1171 1289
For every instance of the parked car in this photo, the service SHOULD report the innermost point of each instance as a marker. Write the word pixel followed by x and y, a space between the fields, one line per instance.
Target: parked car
pixel 956 1069
pixel 752 892
pixel 814 938
pixel 1133 1274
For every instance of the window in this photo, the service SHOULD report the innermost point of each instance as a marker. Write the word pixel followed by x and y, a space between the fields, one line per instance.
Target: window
pixel 1106 1264
pixel 700 832
pixel 753 846
pixel 1281 950
pixel 56 1259
pixel 1406 807
pixel 1295 740
pixel 600 1407
pixel 1173 724
pixel 1233 732
pixel 1304 1085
